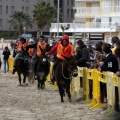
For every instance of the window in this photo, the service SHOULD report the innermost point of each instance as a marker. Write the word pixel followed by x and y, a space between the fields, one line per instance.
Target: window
pixel 72 2
pixel 12 9
pixel 6 9
pixel 117 2
pixel 0 23
pixel 22 8
pixel 0 9
pixel 68 2
pixel 68 13
pixel 72 13
pixel 27 9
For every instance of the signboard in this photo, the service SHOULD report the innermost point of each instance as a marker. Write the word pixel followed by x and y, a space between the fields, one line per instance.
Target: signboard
pixel 27 35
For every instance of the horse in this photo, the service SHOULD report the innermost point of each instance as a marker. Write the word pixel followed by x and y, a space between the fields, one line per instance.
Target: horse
pixel 43 69
pixel 63 76
pixel 22 66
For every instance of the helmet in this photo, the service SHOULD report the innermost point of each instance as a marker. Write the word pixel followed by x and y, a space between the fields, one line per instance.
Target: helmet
pixel 22 39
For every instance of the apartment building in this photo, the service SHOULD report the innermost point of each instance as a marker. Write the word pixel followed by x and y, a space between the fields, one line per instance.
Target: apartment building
pixel 66 9
pixel 95 19
pixel 7 7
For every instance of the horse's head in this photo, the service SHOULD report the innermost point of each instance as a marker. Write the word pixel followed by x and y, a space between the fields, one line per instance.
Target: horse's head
pixel 24 55
pixel 44 58
pixel 71 66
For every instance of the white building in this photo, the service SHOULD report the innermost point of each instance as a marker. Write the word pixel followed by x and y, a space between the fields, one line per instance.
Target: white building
pixel 94 20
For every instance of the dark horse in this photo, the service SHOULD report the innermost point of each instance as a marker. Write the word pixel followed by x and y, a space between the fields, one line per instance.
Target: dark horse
pixel 43 69
pixel 63 76
pixel 22 65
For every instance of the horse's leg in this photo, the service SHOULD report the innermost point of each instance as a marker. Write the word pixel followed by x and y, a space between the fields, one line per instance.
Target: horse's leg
pixel 43 83
pixel 24 77
pixel 19 77
pixel 61 91
pixel 39 82
pixel 68 92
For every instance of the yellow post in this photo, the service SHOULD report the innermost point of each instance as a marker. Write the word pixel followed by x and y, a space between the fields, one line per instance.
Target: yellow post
pixel 88 73
pixel 96 91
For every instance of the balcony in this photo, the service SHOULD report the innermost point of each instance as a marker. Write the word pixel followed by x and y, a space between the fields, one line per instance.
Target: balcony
pixel 91 12
pixel 87 12
pixel 85 27
pixel 87 0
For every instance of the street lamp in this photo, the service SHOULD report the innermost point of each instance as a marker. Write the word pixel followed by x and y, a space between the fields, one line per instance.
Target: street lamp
pixel 58 21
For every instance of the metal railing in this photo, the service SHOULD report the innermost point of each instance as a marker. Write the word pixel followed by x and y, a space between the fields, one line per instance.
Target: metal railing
pixel 86 25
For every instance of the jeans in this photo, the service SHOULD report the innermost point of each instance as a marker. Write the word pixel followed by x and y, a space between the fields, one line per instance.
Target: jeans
pixel 6 65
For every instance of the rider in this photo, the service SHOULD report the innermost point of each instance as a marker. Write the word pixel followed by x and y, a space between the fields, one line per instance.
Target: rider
pixel 30 51
pixel 22 44
pixel 63 48
pixel 41 44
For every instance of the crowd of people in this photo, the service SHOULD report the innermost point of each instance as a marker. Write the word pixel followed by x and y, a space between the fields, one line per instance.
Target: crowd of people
pixel 104 57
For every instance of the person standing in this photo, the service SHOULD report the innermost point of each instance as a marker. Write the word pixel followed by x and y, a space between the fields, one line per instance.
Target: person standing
pixel 6 54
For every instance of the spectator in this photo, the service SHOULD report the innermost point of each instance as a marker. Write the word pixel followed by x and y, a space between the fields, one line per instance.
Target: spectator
pixel 114 41
pixel 110 64
pixel 6 54
pixel 85 57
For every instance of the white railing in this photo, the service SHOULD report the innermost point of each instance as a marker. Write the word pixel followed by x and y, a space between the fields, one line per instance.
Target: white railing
pixel 91 10
pixel 86 25
pixel 96 10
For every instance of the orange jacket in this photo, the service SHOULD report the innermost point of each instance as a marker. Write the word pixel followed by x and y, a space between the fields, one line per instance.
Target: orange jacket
pixel 22 45
pixel 72 49
pixel 39 45
pixel 66 51
pixel 30 51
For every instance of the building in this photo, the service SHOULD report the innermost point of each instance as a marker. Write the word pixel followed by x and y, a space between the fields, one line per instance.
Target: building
pixel 66 10
pixel 7 7
pixel 94 20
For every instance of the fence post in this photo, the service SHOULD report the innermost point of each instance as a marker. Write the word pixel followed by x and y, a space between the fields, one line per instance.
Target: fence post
pixel 96 91
pixel 110 95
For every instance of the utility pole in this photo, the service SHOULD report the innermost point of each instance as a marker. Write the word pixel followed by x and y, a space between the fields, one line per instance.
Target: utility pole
pixel 58 19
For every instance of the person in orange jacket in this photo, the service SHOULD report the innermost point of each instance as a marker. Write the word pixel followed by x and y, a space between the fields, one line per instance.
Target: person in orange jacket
pixel 31 51
pixel 63 48
pixel 41 44
pixel 22 44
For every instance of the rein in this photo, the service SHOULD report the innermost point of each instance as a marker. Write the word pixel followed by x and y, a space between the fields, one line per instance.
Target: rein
pixel 63 73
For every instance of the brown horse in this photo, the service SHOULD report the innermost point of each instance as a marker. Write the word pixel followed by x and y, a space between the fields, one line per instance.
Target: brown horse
pixel 63 76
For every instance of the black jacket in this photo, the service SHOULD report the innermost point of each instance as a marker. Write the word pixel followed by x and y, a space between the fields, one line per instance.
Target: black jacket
pixel 6 54
pixel 110 64
pixel 85 57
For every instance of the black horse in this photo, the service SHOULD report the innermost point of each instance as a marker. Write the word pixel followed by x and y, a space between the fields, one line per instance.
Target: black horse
pixel 63 76
pixel 22 66
pixel 43 69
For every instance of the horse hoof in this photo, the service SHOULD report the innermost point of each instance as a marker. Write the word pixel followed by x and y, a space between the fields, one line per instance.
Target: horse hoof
pixel 20 85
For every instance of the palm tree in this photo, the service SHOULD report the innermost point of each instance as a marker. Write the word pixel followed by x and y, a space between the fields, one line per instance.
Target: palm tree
pixel 19 20
pixel 64 28
pixel 43 15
